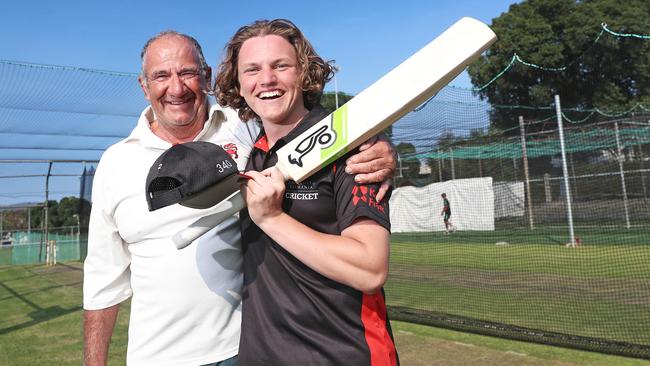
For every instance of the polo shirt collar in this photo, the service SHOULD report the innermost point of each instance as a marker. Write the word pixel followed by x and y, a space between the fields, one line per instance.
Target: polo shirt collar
pixel 314 116
pixel 142 132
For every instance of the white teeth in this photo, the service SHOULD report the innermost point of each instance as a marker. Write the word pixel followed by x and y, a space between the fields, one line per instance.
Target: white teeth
pixel 270 94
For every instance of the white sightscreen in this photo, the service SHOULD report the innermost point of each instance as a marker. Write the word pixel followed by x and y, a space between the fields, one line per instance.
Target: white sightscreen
pixel 509 199
pixel 418 209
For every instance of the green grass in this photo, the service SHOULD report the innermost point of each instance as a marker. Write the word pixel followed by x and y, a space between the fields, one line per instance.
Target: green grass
pixel 41 324
pixel 420 345
pixel 599 291
pixel 41 317
pixel 614 261
pixel 5 256
pixel 592 235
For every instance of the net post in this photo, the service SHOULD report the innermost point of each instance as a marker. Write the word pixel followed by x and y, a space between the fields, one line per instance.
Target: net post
pixel 641 158
pixel 565 171
pixel 524 155
pixel 620 157
pixel 439 166
pixel 451 158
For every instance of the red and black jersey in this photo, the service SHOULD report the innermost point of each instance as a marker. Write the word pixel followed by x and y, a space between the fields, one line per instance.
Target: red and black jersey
pixel 293 315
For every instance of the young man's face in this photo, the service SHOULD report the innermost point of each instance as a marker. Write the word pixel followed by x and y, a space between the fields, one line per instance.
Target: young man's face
pixel 174 83
pixel 268 76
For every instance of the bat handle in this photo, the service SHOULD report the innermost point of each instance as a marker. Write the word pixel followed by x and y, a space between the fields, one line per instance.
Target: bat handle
pixel 284 170
pixel 225 209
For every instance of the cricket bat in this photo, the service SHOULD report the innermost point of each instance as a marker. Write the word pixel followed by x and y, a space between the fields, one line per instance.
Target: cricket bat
pixel 404 88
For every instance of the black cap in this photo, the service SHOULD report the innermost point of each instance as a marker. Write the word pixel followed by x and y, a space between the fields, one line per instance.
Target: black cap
pixel 195 174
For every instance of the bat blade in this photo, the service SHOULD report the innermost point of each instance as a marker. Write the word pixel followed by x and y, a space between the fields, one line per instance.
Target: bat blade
pixel 404 88
pixel 407 86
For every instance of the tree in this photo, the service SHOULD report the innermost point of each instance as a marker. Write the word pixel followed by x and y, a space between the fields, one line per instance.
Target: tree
pixel 62 213
pixel 328 100
pixel 409 166
pixel 612 74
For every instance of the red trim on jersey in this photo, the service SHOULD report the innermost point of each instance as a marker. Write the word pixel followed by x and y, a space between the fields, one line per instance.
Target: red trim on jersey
pixel 380 344
pixel 262 144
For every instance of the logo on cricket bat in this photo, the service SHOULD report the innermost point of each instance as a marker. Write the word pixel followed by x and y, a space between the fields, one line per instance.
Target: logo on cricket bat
pixel 324 136
pixel 329 138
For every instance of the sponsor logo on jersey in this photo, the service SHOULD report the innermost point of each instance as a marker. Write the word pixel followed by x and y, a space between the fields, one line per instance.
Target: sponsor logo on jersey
pixel 367 196
pixel 231 149
pixel 304 191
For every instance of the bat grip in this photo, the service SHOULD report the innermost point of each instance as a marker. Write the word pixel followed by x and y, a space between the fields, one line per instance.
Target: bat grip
pixel 224 209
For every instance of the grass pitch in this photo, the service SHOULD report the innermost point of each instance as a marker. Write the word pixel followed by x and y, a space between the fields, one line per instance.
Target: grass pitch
pixel 41 324
pixel 599 290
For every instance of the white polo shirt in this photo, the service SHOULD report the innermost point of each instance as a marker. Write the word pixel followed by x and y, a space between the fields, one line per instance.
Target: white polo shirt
pixel 186 305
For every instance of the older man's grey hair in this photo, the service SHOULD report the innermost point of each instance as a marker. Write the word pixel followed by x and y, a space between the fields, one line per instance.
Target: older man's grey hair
pixel 172 33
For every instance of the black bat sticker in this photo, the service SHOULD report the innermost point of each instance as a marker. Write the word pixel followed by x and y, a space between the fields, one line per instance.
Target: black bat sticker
pixel 323 136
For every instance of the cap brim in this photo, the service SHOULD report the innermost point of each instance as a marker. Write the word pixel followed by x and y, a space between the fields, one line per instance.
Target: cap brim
pixel 214 194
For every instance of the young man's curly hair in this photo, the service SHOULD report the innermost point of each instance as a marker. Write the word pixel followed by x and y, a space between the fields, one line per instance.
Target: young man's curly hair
pixel 314 72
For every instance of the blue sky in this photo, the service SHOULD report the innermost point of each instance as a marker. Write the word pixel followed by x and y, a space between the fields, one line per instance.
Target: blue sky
pixel 366 38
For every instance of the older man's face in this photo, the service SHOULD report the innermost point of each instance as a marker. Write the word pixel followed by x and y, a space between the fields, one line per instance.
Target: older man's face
pixel 174 84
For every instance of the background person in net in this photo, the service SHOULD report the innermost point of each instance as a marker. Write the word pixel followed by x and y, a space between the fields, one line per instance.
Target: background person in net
pixel 446 215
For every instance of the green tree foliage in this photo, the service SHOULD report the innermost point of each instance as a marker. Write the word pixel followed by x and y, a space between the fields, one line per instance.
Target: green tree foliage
pixel 409 167
pixel 612 74
pixel 328 100
pixel 454 168
pixel 62 214
pixel 59 214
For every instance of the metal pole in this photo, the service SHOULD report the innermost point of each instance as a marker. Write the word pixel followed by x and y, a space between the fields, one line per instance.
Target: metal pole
pixel 565 172
pixel 620 157
pixel 524 156
pixel 45 210
pixel 645 191
pixel 547 188
pixel 336 86
pixel 451 157
pixel 573 175
pixel 78 229
pixel 439 168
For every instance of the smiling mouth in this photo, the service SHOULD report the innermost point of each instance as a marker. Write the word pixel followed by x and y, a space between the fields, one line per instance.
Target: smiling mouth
pixel 272 94
pixel 178 102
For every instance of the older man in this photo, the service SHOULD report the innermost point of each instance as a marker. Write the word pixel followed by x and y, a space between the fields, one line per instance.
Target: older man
pixel 185 306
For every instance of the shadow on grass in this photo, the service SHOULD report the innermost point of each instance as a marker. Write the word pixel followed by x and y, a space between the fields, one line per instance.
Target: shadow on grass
pixel 39 314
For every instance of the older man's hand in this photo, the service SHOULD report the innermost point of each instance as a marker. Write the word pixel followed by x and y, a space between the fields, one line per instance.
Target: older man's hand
pixel 376 162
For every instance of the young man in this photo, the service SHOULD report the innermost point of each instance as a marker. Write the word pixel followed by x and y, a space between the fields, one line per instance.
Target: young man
pixel 446 214
pixel 185 304
pixel 314 264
